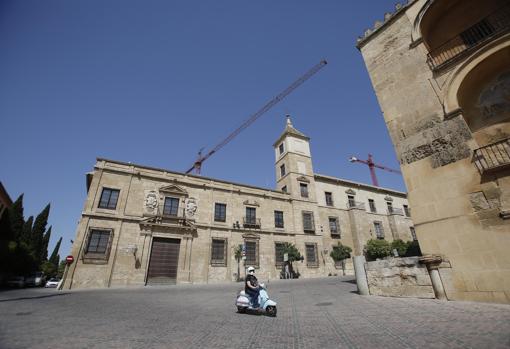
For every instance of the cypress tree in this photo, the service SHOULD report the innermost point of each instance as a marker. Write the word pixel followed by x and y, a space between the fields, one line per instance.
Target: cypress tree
pixel 26 233
pixel 37 236
pixel 5 226
pixel 55 258
pixel 16 219
pixel 43 256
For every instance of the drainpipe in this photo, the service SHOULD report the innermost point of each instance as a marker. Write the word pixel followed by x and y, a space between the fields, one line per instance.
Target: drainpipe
pixel 432 262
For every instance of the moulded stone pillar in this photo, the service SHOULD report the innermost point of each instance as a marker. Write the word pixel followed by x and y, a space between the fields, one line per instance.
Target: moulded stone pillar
pixel 361 275
pixel 432 263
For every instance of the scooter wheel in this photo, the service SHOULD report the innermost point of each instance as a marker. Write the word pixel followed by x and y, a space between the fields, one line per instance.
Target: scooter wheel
pixel 241 309
pixel 271 311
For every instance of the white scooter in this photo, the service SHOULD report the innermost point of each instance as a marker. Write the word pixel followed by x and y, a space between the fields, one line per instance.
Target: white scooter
pixel 267 305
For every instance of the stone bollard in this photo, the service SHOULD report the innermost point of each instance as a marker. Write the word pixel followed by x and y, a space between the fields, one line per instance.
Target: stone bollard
pixel 432 262
pixel 361 275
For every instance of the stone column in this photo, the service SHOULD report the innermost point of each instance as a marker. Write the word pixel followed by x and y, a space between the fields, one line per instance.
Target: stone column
pixel 432 262
pixel 361 275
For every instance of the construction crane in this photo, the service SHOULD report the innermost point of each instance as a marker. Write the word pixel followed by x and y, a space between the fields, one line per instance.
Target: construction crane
pixel 372 165
pixel 197 166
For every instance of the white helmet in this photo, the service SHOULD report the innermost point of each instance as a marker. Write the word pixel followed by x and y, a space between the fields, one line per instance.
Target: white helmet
pixel 250 269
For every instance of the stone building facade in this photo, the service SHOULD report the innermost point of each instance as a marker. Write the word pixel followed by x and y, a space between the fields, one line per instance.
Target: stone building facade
pixel 143 225
pixel 441 73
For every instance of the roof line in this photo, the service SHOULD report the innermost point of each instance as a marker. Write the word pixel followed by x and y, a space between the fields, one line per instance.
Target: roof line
pixel 372 187
pixel 189 175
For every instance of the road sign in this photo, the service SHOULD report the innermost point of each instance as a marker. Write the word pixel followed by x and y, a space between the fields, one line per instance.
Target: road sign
pixel 69 259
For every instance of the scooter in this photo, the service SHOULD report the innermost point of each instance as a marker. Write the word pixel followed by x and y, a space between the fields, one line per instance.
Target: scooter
pixel 267 305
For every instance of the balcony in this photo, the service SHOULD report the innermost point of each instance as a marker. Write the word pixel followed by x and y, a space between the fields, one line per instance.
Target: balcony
pixel 493 156
pixel 493 25
pixel 355 204
pixel 251 222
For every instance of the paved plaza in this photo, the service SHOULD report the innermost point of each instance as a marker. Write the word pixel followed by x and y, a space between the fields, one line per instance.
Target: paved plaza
pixel 319 313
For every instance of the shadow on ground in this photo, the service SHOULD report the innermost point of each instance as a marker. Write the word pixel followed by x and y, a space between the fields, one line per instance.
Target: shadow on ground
pixel 33 297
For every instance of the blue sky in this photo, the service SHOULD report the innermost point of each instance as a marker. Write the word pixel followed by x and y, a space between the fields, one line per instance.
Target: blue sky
pixel 152 82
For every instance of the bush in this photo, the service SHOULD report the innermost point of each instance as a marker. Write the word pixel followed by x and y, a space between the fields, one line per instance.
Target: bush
pixel 377 249
pixel 401 247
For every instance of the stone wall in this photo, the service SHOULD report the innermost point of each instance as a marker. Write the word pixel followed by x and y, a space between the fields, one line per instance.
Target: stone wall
pixel 437 125
pixel 399 277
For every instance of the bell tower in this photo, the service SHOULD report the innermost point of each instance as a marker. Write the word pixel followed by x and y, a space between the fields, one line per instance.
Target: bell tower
pixel 293 164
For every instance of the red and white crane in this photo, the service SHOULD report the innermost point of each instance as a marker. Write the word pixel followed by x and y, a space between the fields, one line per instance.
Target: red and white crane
pixel 372 166
pixel 201 158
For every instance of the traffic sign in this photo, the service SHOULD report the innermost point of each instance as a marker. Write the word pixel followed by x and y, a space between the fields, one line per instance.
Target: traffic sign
pixel 69 259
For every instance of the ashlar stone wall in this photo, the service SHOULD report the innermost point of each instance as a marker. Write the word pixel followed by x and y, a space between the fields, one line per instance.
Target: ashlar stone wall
pixel 399 277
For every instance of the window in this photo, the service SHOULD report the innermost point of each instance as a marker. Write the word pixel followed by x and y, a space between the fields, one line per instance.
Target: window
pixel 407 211
pixel 371 203
pixel 379 230
pixel 278 219
pixel 351 201
pixel 308 223
pixel 413 233
pixel 282 170
pixel 311 255
pixel 278 253
pixel 252 253
pixel 171 207
pixel 333 226
pixel 284 188
pixel 97 246
pixel 390 207
pixel 219 252
pixel 329 198
pixel 220 212
pixel 109 198
pixel 98 241
pixel 251 215
pixel 281 148
pixel 304 190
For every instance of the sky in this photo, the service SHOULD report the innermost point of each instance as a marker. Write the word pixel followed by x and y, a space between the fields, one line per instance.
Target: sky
pixel 152 82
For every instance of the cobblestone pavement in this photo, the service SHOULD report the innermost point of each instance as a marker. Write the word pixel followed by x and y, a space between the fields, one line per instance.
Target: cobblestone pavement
pixel 319 313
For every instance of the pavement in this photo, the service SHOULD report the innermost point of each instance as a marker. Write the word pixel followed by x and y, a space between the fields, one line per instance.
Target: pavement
pixel 313 313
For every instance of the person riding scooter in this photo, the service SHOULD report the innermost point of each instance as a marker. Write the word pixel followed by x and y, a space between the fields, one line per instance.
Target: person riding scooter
pixel 251 287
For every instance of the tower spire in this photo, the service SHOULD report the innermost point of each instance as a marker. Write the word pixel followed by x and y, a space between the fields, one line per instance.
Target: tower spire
pixel 289 122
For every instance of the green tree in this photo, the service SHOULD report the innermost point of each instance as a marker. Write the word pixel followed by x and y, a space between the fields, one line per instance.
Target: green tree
pixel 11 225
pixel 376 248
pixel 55 257
pixel 340 253
pixel 26 233
pixel 5 227
pixel 399 245
pixel 43 256
pixel 61 268
pixel 238 254
pixel 49 269
pixel 16 219
pixel 294 255
pixel 37 236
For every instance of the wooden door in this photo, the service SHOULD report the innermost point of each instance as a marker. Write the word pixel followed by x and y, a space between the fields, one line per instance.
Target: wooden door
pixel 164 261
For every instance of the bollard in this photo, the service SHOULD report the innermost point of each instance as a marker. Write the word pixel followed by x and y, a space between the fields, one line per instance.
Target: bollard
pixel 361 275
